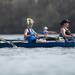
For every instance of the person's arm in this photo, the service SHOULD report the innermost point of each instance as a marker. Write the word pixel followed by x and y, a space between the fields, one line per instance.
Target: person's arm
pixel 26 33
pixel 52 32
pixel 63 33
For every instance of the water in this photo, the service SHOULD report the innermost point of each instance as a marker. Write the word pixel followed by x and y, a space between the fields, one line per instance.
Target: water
pixel 37 61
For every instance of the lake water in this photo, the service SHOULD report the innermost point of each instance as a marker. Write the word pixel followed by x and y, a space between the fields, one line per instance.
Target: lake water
pixel 37 61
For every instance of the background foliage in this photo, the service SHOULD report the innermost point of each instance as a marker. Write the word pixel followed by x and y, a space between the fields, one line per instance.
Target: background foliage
pixel 45 13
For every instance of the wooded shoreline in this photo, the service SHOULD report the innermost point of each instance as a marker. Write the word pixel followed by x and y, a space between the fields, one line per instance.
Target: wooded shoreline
pixel 45 13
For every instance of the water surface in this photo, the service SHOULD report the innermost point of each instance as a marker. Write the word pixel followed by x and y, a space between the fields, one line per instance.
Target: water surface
pixel 37 61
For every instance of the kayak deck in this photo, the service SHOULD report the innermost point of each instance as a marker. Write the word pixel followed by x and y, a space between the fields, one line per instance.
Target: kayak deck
pixel 43 44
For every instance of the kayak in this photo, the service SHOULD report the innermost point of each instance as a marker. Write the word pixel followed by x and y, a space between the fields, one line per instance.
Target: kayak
pixel 52 41
pixel 37 45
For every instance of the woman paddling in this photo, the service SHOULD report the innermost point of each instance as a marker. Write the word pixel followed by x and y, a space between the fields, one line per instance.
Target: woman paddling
pixel 64 30
pixel 29 34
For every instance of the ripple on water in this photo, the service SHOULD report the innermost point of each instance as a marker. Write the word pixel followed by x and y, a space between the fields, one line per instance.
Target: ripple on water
pixel 37 61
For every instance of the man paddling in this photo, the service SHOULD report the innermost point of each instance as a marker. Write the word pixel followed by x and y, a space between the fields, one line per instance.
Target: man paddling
pixel 64 30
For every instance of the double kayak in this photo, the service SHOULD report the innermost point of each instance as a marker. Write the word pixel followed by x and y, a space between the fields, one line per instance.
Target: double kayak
pixel 52 41
pixel 37 45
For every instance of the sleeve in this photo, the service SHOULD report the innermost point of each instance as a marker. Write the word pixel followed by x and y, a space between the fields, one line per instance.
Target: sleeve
pixel 26 31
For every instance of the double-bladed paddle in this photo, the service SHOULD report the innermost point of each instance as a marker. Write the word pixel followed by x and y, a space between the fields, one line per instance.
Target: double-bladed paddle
pixel 9 42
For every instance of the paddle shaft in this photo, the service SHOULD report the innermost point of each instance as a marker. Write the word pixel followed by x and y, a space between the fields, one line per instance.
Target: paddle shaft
pixel 9 42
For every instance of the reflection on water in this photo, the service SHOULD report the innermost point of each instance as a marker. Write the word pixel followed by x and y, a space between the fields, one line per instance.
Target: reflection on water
pixel 37 61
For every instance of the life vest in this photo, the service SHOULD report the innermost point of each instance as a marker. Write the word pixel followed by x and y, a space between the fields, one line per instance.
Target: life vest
pixel 44 32
pixel 68 32
pixel 31 38
pixel 30 32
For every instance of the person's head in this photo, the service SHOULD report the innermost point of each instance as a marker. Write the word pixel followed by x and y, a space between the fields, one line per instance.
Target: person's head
pixel 30 22
pixel 65 23
pixel 45 28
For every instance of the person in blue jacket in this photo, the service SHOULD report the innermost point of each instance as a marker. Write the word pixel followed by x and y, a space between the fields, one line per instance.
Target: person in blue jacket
pixel 45 30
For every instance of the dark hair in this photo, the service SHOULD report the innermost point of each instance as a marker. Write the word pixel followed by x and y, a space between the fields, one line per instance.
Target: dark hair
pixel 64 21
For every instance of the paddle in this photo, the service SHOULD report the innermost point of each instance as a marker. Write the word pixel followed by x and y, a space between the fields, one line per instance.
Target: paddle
pixel 9 42
pixel 73 38
pixel 49 37
pixel 70 38
pixel 67 39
